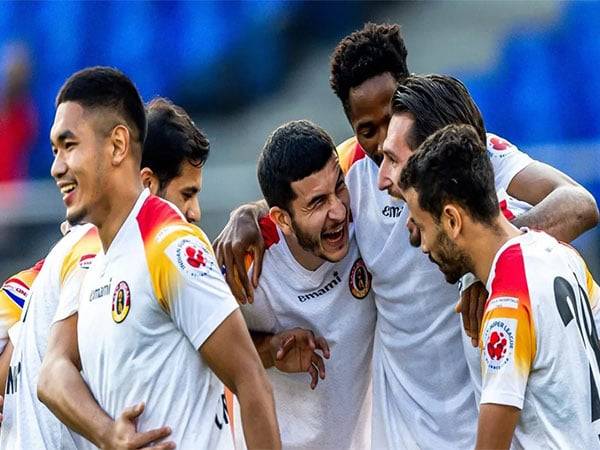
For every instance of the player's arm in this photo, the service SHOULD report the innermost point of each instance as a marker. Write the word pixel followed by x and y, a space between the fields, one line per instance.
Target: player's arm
pixel 293 351
pixel 562 207
pixel 496 426
pixel 62 389
pixel 230 354
pixel 240 236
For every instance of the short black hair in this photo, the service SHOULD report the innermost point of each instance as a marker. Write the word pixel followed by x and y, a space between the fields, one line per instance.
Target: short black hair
pixel 364 54
pixel 292 152
pixel 172 139
pixel 435 101
pixel 106 87
pixel 452 165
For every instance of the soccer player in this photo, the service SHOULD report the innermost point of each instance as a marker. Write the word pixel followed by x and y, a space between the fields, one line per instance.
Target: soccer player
pixel 174 152
pixel 539 345
pixel 314 278
pixel 410 409
pixel 156 322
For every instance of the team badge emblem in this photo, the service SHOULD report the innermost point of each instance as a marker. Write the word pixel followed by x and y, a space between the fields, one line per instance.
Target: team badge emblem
pixel 499 343
pixel 360 279
pixel 121 302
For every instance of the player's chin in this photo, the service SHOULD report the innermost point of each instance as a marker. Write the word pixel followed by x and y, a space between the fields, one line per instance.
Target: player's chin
pixel 76 216
pixel 452 275
pixel 334 254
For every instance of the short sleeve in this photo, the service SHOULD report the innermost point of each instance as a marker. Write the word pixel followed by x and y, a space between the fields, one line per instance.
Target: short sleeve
pixel 68 300
pixel 508 340
pixel 13 294
pixel 191 287
pixel 507 160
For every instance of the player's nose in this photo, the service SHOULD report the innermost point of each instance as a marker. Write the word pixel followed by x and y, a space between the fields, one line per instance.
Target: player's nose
pixel 193 212
pixel 59 167
pixel 383 178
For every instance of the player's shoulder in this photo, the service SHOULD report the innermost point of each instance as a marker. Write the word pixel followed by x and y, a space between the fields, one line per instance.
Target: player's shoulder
pixel 167 236
pixel 509 275
pixel 499 147
pixel 349 153
pixel 16 288
pixel 160 223
pixel 82 246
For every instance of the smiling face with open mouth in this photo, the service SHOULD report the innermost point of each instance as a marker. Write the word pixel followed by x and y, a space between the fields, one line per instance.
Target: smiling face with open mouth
pixel 79 165
pixel 320 212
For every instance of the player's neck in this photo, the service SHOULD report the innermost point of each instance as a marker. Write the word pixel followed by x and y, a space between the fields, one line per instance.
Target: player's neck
pixel 117 210
pixel 488 242
pixel 303 257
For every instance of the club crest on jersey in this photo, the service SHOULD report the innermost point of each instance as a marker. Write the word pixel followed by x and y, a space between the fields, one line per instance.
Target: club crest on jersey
pixel 121 302
pixel 360 279
pixel 86 261
pixel 191 257
pixel 499 342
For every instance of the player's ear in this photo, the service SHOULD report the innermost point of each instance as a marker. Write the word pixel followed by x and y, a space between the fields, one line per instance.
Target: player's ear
pixel 452 220
pixel 282 219
pixel 150 180
pixel 121 141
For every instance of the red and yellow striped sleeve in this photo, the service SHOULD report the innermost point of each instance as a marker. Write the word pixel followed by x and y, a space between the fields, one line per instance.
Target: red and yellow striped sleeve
pixel 13 293
pixel 81 254
pixel 187 282
pixel 508 339
pixel 349 152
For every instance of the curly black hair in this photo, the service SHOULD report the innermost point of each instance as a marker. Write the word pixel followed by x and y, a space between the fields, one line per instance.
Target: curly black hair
pixel 364 54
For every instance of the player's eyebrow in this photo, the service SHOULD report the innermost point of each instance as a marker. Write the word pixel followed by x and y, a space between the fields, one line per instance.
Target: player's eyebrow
pixel 67 134
pixel 191 190
pixel 364 124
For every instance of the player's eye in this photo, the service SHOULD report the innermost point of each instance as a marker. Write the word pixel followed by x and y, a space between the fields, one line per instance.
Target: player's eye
pixel 368 133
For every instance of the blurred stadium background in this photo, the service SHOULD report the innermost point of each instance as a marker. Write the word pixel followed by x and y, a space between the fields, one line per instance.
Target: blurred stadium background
pixel 243 68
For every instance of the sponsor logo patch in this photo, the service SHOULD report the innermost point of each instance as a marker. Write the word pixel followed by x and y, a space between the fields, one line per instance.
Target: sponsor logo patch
pixel 121 303
pixel 86 261
pixel 499 342
pixel 503 302
pixel 324 290
pixel 191 257
pixel 16 290
pixel 360 279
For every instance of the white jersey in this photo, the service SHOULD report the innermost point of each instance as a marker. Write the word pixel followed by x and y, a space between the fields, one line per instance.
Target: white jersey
pixel 539 346
pixel 27 423
pixel 146 307
pixel 333 301
pixel 422 390
pixel 511 208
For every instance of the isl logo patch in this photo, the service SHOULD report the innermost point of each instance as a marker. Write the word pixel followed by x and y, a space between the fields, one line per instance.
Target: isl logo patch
pixel 499 342
pixel 360 279
pixel 121 302
pixel 191 257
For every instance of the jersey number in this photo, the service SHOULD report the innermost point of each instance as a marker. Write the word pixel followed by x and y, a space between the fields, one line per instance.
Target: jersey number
pixel 577 306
